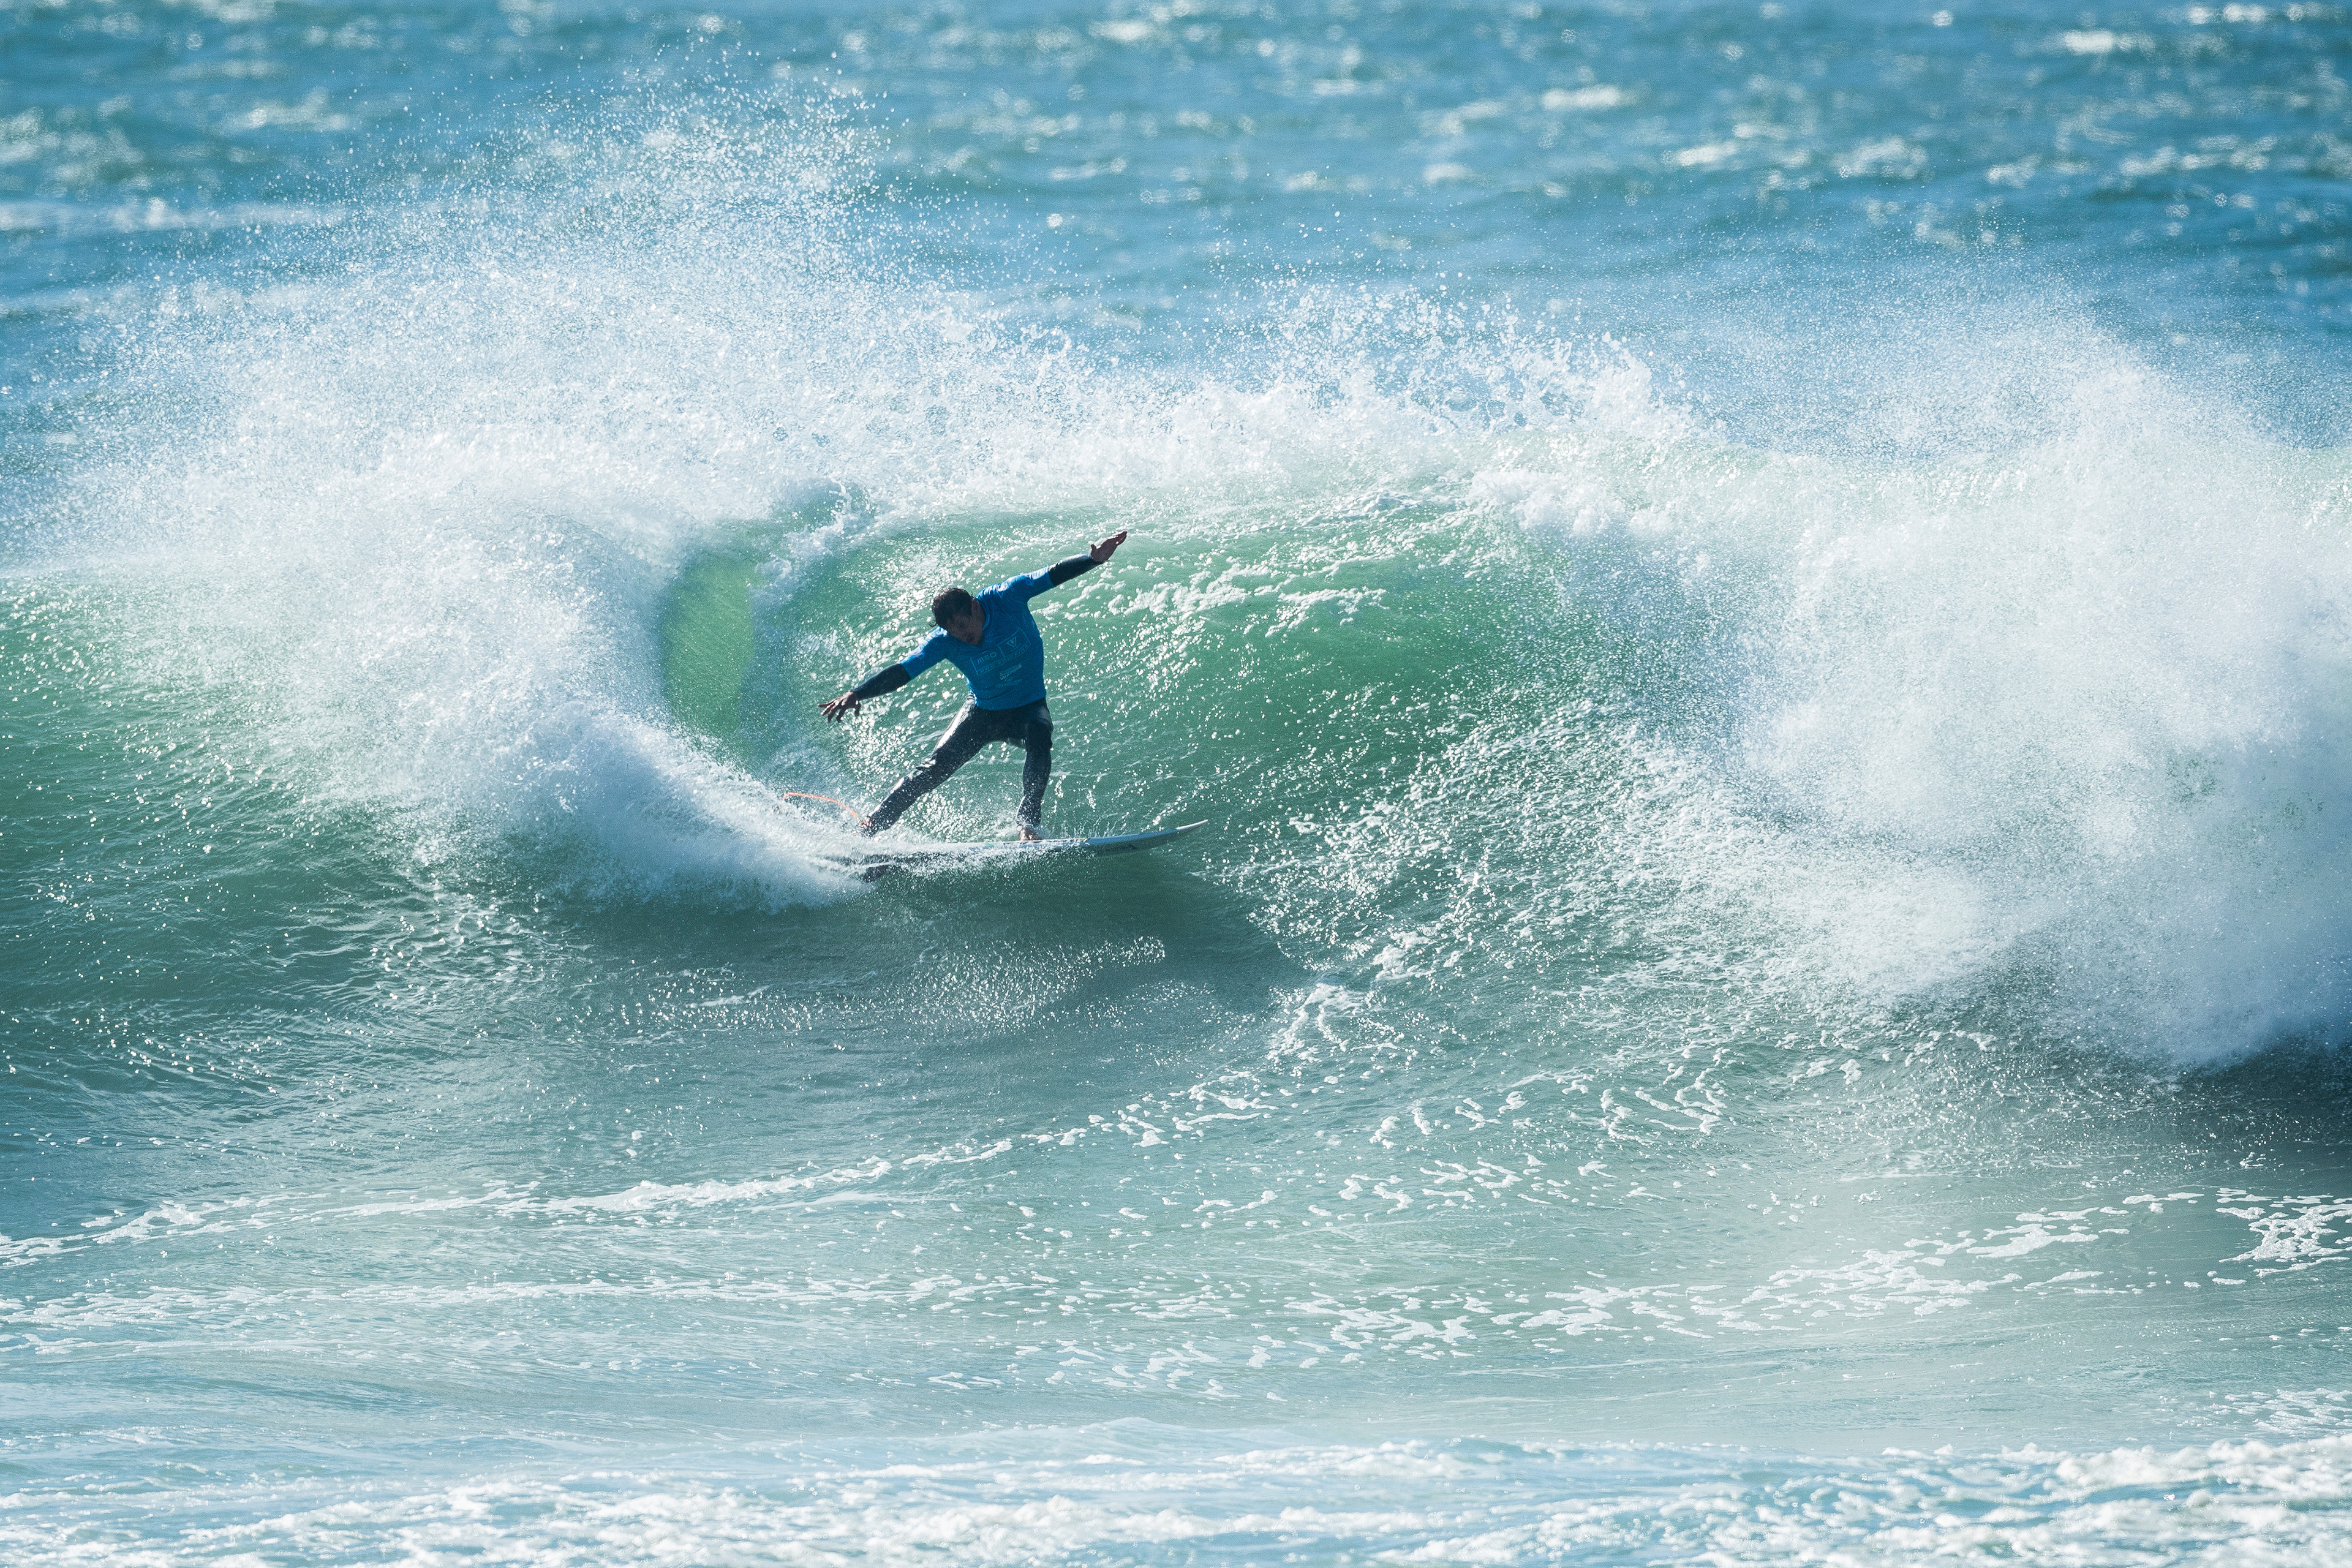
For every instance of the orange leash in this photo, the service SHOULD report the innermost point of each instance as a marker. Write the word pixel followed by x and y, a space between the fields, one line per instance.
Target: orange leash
pixel 796 795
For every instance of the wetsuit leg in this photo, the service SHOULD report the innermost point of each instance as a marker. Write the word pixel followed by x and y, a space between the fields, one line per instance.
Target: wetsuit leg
pixel 974 726
pixel 1037 763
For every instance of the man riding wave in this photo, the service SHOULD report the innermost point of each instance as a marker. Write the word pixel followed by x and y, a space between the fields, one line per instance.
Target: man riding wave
pixel 993 639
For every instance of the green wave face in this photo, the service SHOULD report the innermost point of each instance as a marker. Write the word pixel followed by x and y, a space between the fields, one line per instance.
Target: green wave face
pixel 707 642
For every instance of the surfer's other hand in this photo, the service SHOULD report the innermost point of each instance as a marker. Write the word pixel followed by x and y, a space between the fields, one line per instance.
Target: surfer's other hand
pixel 847 704
pixel 1101 553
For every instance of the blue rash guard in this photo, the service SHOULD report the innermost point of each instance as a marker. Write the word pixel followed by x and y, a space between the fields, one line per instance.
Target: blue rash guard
pixel 1007 668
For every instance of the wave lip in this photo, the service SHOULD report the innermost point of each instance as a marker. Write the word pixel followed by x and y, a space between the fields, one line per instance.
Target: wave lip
pixel 2059 724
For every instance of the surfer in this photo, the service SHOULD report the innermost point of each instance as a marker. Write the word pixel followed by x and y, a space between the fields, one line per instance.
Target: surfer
pixel 993 639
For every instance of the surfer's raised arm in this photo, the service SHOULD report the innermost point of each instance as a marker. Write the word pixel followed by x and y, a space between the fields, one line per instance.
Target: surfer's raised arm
pixel 960 615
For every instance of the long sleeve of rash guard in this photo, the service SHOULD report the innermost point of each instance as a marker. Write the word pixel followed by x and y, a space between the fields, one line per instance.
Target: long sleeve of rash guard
pixel 889 678
pixel 1029 584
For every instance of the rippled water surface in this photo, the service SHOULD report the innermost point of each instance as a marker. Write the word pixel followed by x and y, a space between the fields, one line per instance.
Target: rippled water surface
pixel 1755 598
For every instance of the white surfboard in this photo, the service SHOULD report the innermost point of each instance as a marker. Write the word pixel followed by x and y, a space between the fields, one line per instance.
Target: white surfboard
pixel 882 856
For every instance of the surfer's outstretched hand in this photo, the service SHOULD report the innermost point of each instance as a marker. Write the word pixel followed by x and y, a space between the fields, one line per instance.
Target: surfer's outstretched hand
pixel 1102 552
pixel 841 706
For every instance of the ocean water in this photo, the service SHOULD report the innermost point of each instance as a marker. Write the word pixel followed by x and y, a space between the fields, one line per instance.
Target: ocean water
pixel 1758 600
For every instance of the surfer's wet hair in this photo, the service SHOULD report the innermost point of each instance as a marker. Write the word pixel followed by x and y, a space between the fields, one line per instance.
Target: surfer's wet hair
pixel 951 604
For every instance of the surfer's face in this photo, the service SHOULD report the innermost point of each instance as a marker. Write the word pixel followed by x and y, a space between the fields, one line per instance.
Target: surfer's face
pixel 967 626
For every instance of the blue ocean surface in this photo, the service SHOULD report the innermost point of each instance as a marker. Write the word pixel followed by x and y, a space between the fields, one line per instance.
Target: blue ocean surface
pixel 1757 599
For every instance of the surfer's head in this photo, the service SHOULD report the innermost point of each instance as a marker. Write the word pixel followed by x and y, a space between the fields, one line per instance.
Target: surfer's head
pixel 959 615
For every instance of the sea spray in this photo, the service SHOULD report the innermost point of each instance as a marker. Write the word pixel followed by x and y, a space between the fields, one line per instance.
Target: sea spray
pixel 1733 587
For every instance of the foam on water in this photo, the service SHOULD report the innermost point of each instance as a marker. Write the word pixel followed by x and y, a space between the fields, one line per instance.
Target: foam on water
pixel 2251 1502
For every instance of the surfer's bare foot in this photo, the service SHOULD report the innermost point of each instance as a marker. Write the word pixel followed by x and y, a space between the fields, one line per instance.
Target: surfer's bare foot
pixel 1031 836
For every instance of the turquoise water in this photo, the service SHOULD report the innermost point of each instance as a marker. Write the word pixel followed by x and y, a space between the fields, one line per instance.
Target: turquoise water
pixel 1756 599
